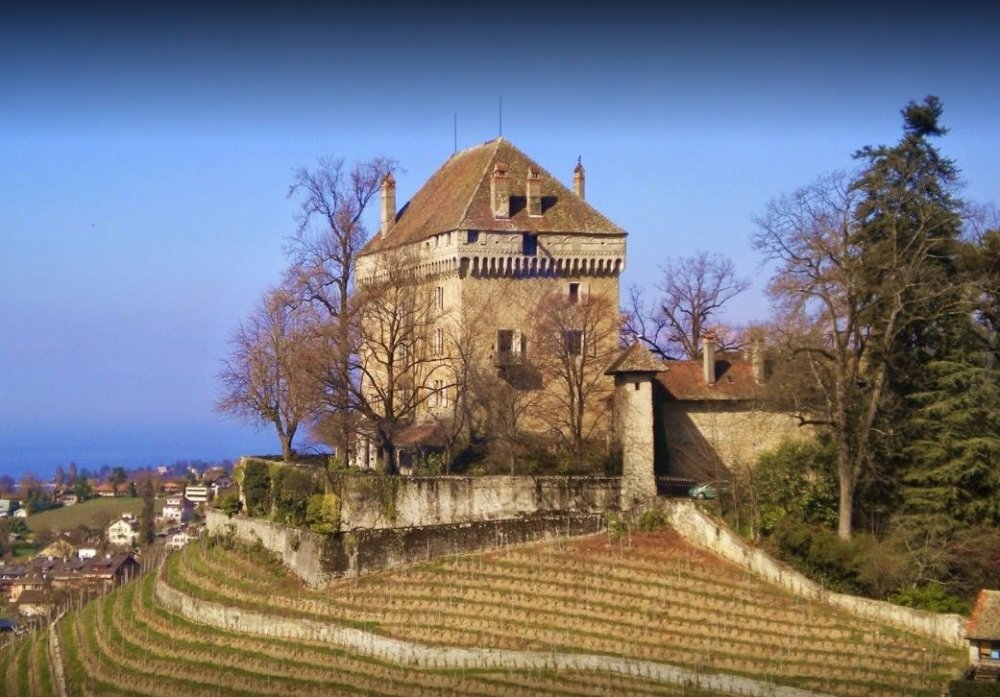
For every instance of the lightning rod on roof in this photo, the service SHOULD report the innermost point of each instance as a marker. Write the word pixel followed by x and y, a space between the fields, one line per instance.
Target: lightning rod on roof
pixel 501 117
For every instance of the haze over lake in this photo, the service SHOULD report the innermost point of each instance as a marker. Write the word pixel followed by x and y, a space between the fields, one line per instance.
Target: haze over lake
pixel 40 451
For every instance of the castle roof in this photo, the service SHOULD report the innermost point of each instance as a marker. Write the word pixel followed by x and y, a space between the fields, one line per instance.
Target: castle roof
pixel 635 359
pixel 457 197
pixel 685 381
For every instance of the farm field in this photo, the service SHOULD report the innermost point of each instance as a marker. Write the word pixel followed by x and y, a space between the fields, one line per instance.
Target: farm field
pixel 654 599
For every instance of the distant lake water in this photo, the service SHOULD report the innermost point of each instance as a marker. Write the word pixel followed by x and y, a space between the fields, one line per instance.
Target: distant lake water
pixel 41 451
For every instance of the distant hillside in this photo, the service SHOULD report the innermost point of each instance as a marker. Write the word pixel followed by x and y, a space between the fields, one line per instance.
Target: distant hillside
pixel 95 514
pixel 650 600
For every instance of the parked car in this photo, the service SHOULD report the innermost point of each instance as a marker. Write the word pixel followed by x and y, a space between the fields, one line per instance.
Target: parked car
pixel 707 490
pixel 702 491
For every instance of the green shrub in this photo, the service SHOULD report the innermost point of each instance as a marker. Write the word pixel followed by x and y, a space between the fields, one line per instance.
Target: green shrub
pixel 797 479
pixel 617 526
pixel 291 489
pixel 230 504
pixel 653 519
pixel 967 688
pixel 257 487
pixel 932 597
pixel 323 513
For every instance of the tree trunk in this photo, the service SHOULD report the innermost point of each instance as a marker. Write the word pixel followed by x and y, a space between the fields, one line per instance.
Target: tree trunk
pixel 844 519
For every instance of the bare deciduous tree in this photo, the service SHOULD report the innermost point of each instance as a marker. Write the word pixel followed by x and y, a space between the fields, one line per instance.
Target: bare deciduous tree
pixel 694 290
pixel 847 291
pixel 266 377
pixel 574 342
pixel 393 363
pixel 331 231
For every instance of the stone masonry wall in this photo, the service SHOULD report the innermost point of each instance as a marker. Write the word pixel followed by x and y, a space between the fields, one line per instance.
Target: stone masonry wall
pixel 300 550
pixel 710 441
pixel 317 559
pixel 701 530
pixel 361 552
pixel 372 503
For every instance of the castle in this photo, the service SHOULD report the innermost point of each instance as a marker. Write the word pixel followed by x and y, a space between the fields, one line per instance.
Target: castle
pixel 497 284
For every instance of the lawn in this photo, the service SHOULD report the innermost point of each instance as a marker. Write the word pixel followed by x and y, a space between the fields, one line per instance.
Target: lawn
pixel 95 514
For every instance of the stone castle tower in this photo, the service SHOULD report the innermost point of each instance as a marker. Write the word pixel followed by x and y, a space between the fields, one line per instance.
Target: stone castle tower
pixel 487 241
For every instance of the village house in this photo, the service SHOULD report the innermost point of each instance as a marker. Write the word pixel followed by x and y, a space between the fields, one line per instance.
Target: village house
pixel 497 252
pixel 178 540
pixel 177 509
pixel 32 585
pixel 123 532
pixel 60 547
pixel 221 483
pixel 172 486
pixel 8 506
pixel 983 634
pixel 197 494
pixel 35 603
pixel 30 579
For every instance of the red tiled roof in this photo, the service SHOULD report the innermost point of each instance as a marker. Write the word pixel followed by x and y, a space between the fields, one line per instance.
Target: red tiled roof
pixel 457 197
pixel 685 381
pixel 985 620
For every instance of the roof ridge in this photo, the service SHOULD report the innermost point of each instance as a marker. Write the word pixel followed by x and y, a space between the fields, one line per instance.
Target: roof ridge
pixel 472 193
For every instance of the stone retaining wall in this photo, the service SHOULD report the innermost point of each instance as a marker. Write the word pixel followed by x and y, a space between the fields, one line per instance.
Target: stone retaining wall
pixel 374 502
pixel 704 532
pixel 317 559
pixel 300 550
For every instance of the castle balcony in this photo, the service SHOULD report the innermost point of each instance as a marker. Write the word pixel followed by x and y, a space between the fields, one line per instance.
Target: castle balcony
pixel 508 358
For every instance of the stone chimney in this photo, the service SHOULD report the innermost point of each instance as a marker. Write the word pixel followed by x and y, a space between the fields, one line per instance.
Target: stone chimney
pixel 708 354
pixel 533 187
pixel 500 191
pixel 388 191
pixel 578 179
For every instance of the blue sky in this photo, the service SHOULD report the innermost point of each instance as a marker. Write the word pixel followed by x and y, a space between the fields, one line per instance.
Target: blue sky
pixel 145 160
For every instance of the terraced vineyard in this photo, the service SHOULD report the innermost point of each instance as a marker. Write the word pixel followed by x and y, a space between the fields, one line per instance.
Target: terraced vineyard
pixel 26 667
pixel 657 600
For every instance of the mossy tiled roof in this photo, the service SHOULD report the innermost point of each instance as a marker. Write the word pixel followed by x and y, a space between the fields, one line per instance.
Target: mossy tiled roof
pixel 457 197
pixel 985 620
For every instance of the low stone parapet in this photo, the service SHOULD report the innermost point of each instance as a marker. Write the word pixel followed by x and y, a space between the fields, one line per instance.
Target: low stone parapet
pixel 699 529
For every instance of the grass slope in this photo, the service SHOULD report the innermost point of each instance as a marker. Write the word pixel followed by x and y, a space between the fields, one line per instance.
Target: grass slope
pixel 94 514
